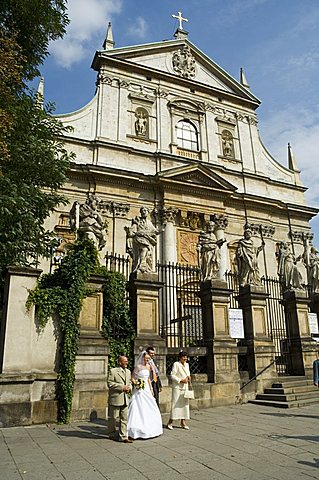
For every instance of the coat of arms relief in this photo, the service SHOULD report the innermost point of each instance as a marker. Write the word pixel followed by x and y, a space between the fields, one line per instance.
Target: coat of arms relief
pixel 184 62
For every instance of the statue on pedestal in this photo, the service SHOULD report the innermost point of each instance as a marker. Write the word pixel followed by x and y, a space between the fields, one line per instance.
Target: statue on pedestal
pixel 314 269
pixel 140 242
pixel 91 223
pixel 247 259
pixel 209 252
pixel 288 272
pixel 311 261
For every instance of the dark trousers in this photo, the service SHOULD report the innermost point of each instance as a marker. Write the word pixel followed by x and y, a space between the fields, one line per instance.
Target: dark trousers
pixel 155 387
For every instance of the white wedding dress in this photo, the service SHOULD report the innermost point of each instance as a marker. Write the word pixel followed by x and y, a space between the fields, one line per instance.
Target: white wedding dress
pixel 144 418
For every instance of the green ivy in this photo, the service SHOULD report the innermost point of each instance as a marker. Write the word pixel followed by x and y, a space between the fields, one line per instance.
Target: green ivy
pixel 118 326
pixel 61 293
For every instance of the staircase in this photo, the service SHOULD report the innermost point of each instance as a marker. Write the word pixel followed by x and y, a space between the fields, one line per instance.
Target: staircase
pixel 289 392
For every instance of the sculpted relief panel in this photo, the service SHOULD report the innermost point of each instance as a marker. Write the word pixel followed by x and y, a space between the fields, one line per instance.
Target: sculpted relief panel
pixel 187 247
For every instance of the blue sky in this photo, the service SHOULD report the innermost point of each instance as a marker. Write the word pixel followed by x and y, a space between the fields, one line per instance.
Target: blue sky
pixel 276 41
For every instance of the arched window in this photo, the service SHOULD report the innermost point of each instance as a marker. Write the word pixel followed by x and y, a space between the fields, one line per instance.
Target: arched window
pixel 187 136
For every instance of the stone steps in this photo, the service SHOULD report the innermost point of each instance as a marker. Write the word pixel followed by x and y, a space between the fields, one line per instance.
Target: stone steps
pixel 289 392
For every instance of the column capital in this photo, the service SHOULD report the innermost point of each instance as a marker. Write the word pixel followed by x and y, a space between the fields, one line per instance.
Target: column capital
pixel 221 221
pixel 168 214
pixel 267 231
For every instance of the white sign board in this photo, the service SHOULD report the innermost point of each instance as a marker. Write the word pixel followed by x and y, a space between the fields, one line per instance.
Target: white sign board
pixel 313 322
pixel 236 323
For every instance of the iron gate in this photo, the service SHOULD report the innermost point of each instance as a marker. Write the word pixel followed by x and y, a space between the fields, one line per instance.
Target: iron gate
pixel 276 320
pixel 181 322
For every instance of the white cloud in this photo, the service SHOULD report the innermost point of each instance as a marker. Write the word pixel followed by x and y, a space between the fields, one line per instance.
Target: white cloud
pixel 300 127
pixel 139 29
pixel 88 23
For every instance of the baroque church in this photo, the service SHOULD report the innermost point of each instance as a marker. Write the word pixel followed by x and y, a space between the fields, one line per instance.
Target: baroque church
pixel 170 141
pixel 169 129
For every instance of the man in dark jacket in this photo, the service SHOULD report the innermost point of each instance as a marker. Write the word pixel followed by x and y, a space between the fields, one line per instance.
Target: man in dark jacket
pixel 154 374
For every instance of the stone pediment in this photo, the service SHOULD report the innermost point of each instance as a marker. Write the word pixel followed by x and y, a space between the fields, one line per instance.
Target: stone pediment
pixel 196 176
pixel 179 58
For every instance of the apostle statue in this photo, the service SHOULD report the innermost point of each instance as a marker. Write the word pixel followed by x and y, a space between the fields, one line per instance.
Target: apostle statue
pixel 288 272
pixel 91 224
pixel 311 261
pixel 247 259
pixel 141 238
pixel 209 252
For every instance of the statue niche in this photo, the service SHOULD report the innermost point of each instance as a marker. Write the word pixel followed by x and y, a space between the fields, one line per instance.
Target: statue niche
pixel 141 123
pixel 227 144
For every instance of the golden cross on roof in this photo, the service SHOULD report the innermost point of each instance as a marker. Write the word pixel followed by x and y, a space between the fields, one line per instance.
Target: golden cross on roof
pixel 180 19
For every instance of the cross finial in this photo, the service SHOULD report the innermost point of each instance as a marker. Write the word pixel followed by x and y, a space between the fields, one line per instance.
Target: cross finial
pixel 180 19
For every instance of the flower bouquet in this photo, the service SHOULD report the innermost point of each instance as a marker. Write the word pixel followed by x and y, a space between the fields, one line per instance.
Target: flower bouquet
pixel 139 384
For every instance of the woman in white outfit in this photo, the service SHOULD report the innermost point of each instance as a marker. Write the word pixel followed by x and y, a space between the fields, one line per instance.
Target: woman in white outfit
pixel 144 418
pixel 180 405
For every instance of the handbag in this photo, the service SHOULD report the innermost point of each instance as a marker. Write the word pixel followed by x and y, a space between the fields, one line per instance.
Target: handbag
pixel 190 392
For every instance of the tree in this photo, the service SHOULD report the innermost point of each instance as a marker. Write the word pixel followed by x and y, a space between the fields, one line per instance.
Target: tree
pixel 33 161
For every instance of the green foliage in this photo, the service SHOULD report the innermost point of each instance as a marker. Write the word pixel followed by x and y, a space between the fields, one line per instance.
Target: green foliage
pixel 61 294
pixel 33 161
pixel 35 23
pixel 118 326
pixel 29 184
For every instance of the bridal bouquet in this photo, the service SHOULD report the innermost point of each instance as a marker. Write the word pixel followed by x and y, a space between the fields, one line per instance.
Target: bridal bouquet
pixel 140 384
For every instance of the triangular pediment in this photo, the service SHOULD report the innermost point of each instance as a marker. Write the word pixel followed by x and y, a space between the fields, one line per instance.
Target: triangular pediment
pixel 196 175
pixel 180 59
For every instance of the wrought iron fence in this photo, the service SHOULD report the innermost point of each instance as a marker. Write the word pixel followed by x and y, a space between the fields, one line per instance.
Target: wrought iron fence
pixel 197 364
pixel 277 327
pixel 118 263
pixel 276 320
pixel 181 322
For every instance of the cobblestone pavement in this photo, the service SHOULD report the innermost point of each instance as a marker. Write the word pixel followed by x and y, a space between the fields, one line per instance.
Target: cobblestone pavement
pixel 244 442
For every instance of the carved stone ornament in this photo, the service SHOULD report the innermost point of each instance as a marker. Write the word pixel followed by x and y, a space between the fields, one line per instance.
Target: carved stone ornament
pixel 267 231
pixel 296 237
pixel 187 248
pixel 221 221
pixel 184 62
pixel 168 214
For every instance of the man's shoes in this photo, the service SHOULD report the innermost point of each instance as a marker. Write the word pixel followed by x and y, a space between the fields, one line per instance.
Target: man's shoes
pixel 127 440
pixel 170 426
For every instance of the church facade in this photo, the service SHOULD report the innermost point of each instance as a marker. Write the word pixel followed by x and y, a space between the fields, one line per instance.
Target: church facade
pixel 171 130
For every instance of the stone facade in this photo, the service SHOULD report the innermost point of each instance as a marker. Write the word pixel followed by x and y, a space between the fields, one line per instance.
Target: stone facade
pixel 186 142
pixel 169 131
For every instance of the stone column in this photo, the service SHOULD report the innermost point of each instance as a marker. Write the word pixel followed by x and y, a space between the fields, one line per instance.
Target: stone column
pixel 90 389
pixel 261 349
pixel 222 352
pixel 168 216
pixel 303 350
pixel 221 223
pixel 267 232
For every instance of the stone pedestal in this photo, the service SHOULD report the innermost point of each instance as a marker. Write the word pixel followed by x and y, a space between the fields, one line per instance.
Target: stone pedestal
pixel 222 352
pixel 303 350
pixel 90 389
pixel 261 349
pixel 144 292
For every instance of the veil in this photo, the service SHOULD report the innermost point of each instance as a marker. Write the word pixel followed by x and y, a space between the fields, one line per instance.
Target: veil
pixel 139 362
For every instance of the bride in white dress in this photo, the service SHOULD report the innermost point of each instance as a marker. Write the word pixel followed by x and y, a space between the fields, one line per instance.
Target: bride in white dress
pixel 144 418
